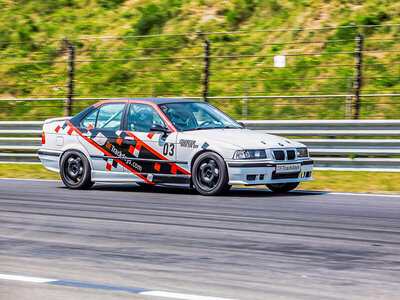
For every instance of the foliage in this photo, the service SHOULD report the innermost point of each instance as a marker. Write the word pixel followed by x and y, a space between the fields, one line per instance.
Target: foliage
pixel 110 3
pixel 30 20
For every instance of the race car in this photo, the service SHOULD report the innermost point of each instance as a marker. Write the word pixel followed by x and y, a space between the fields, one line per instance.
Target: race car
pixel 169 141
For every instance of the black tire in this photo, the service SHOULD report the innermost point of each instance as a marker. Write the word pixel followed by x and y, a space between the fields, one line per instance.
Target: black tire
pixel 75 170
pixel 282 187
pixel 209 175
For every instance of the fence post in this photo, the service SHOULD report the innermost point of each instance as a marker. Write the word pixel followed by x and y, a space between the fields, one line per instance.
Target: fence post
pixel 246 101
pixel 206 65
pixel 349 98
pixel 358 76
pixel 154 90
pixel 71 73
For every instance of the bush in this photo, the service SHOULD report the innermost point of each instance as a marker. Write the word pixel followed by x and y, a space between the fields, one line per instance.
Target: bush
pixel 110 3
pixel 152 16
pixel 242 10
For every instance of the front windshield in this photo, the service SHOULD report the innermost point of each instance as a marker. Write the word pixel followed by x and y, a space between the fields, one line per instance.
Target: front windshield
pixel 196 116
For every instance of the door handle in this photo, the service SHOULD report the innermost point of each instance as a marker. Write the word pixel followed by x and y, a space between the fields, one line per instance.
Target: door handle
pixel 87 134
pixel 129 138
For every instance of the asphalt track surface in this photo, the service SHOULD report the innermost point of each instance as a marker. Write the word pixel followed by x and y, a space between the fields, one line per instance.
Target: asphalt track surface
pixel 249 244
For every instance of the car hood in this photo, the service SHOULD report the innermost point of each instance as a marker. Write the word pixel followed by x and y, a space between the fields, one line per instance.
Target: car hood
pixel 243 138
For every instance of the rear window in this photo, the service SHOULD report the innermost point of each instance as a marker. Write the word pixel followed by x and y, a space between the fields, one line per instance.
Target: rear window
pixel 107 116
pixel 90 119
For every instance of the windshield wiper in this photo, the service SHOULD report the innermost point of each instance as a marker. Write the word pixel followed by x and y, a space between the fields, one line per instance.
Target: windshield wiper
pixel 201 128
pixel 216 127
pixel 231 126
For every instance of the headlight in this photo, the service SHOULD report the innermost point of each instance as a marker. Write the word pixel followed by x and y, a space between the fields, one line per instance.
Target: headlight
pixel 250 154
pixel 302 152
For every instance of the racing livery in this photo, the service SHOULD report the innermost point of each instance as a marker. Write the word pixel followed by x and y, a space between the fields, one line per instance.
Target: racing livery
pixel 169 141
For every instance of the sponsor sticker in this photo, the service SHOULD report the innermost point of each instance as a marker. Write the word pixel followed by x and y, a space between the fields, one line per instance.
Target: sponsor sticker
pixel 188 143
pixel 288 168
pixel 100 139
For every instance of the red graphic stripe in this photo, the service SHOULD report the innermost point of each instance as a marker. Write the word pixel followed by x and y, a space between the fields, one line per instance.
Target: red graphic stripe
pixel 107 153
pixel 174 166
pixel 158 110
pixel 110 101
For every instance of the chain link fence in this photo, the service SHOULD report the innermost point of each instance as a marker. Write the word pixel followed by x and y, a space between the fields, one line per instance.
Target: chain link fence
pixel 345 72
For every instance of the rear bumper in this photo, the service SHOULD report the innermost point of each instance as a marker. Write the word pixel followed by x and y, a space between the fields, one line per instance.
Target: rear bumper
pixel 263 172
pixel 50 159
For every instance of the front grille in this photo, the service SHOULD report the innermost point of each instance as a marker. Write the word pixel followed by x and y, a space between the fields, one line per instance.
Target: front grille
pixel 285 175
pixel 291 154
pixel 279 155
pixel 251 177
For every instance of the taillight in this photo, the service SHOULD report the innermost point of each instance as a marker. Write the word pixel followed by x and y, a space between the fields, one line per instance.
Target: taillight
pixel 43 138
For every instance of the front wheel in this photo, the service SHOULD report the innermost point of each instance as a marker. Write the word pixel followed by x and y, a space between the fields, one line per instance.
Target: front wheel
pixel 210 176
pixel 75 170
pixel 282 187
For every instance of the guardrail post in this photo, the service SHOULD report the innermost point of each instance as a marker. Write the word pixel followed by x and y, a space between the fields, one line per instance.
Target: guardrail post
pixel 206 65
pixel 71 71
pixel 358 76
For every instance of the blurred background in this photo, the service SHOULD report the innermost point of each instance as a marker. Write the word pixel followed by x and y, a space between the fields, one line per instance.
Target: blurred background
pixel 338 59
pixel 292 68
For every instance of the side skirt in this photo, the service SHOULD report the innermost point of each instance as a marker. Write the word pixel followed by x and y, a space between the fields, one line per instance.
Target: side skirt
pixel 104 176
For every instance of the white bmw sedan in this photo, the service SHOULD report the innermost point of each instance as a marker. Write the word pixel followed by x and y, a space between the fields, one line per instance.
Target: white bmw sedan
pixel 169 141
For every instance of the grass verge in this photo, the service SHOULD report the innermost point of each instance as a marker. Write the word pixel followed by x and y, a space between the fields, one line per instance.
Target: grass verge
pixel 358 182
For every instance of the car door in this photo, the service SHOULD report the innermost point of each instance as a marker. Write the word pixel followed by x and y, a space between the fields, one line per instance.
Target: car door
pixel 150 152
pixel 103 126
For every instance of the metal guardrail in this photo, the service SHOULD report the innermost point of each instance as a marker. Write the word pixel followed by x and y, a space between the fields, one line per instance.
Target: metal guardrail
pixel 333 144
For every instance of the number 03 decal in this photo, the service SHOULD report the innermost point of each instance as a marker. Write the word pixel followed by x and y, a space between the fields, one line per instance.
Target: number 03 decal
pixel 169 149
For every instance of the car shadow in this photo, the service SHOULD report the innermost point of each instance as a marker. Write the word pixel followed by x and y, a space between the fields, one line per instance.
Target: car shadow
pixel 234 192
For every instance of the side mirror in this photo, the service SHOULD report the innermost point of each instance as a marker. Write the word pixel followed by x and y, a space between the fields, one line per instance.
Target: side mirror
pixel 242 124
pixel 159 128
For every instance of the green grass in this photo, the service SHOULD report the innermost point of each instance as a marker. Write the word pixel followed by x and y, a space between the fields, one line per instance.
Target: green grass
pixel 27 20
pixel 358 182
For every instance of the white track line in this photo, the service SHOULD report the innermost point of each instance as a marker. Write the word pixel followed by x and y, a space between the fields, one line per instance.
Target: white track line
pixel 137 291
pixel 180 296
pixel 26 279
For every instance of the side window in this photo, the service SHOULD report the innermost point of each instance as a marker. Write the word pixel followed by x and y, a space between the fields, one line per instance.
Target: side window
pixel 110 115
pixel 90 119
pixel 141 117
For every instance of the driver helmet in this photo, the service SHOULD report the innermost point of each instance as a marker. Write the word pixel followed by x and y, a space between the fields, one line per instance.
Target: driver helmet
pixel 180 118
pixel 144 120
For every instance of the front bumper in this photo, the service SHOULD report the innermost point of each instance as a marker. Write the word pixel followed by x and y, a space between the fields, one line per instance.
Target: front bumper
pixel 263 172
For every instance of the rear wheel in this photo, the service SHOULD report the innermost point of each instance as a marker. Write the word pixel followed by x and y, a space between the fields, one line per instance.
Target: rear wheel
pixel 210 176
pixel 282 187
pixel 75 170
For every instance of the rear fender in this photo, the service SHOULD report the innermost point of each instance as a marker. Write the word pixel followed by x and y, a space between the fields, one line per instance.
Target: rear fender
pixel 79 147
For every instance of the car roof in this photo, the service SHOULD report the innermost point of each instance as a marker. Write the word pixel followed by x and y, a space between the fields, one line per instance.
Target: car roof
pixel 156 100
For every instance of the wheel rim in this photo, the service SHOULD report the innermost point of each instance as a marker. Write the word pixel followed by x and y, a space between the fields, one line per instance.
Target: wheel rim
pixel 73 169
pixel 208 174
